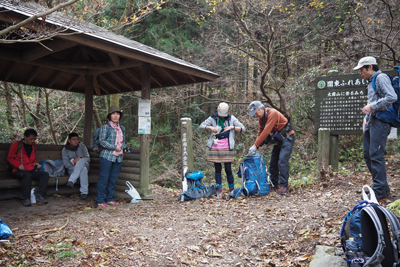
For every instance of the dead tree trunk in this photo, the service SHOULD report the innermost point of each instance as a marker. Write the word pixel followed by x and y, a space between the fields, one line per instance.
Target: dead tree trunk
pixel 53 132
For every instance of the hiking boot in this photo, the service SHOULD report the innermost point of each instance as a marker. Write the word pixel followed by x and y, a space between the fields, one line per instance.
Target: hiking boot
pixel 70 184
pixel 231 189
pixel 219 193
pixel 40 199
pixel 27 202
pixel 274 188
pixel 102 205
pixel 282 190
pixel 83 196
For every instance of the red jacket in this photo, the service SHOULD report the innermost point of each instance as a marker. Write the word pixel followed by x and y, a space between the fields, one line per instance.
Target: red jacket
pixel 15 161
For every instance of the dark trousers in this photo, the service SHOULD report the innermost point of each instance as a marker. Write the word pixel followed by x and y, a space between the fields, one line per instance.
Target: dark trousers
pixel 27 177
pixel 108 177
pixel 279 164
pixel 374 145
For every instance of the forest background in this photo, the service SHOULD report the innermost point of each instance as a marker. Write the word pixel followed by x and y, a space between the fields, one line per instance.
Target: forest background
pixel 264 50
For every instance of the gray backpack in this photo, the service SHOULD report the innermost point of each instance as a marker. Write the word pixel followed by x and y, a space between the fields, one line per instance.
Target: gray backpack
pixel 55 168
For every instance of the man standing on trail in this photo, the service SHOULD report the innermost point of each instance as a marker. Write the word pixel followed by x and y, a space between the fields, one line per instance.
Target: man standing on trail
pixel 274 128
pixel 375 131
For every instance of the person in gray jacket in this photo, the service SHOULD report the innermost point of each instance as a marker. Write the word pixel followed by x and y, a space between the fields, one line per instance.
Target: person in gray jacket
pixel 76 160
pixel 375 131
pixel 221 143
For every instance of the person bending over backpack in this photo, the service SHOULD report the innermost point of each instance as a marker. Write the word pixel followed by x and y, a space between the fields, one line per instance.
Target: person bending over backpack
pixel 22 156
pixel 76 160
pixel 375 131
pixel 273 127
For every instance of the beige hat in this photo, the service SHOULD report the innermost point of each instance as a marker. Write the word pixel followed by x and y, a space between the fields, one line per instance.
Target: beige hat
pixel 365 61
pixel 223 109
pixel 113 109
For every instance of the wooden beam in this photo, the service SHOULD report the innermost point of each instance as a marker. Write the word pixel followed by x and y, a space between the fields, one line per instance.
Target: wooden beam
pixel 138 55
pixel 170 75
pixel 72 64
pixel 125 64
pixel 121 79
pixel 103 86
pixel 85 54
pixel 144 138
pixel 54 78
pixel 87 130
pixel 191 77
pixel 10 70
pixel 38 51
pixel 155 80
pixel 133 75
pixel 110 84
pixel 115 59
pixel 74 80
pixel 96 86
pixel 33 74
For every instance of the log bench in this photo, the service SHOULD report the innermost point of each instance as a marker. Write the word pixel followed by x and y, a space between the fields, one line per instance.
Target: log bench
pixel 11 187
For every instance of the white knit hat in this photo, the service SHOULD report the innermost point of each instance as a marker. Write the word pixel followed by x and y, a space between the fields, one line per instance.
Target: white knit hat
pixel 223 109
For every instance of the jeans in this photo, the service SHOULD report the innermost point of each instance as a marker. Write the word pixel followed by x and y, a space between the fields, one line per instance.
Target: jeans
pixel 279 164
pixel 108 177
pixel 27 177
pixel 80 170
pixel 374 145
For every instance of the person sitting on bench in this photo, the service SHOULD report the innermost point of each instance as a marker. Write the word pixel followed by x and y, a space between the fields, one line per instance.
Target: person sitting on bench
pixel 76 160
pixel 22 157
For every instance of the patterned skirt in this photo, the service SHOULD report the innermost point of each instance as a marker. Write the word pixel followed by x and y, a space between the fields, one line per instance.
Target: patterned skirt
pixel 220 155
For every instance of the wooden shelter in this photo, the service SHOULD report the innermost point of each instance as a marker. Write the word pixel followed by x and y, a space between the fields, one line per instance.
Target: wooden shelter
pixel 72 55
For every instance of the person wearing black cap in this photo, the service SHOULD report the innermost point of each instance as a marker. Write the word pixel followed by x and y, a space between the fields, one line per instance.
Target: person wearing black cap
pixel 273 127
pixel 375 131
pixel 112 141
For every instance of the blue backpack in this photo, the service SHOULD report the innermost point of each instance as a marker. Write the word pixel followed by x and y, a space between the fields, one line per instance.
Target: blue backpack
pixel 254 176
pixel 392 116
pixel 195 187
pixel 95 141
pixel 365 237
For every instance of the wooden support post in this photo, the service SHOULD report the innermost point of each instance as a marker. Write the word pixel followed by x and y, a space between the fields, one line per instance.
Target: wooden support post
pixel 334 152
pixel 144 190
pixel 323 149
pixel 87 130
pixel 186 145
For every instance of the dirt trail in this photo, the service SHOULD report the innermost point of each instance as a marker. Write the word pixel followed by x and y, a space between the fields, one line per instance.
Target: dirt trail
pixel 271 230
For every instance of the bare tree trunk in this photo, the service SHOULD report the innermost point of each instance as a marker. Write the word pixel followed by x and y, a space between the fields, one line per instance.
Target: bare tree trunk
pixel 9 103
pixel 53 132
pixel 96 116
pixel 21 97
pixel 114 100
pixel 37 112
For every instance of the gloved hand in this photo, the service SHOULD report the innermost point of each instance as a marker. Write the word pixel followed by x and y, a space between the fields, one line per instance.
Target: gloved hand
pixel 133 193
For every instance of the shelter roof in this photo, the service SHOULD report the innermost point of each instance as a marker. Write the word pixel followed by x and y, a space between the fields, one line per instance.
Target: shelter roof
pixel 72 49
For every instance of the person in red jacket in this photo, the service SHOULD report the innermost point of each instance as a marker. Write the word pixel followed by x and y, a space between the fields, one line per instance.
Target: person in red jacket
pixel 22 156
pixel 274 128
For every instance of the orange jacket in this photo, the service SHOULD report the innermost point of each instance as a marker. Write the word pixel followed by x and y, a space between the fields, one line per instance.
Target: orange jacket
pixel 274 121
pixel 14 158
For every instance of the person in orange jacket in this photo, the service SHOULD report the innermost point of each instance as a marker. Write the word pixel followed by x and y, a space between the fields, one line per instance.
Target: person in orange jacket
pixel 22 157
pixel 274 128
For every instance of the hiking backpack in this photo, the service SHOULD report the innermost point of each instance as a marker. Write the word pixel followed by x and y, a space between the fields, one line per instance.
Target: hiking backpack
pixel 96 146
pixel 55 168
pixel 255 180
pixel 194 187
pixel 365 237
pixel 392 116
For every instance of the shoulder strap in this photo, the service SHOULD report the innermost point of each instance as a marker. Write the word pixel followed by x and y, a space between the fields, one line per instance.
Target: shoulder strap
pixel 373 80
pixel 395 226
pixel 108 130
pixel 381 243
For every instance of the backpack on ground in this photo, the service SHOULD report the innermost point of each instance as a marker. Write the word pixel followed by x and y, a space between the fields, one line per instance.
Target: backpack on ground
pixel 194 187
pixel 96 146
pixel 255 180
pixel 392 116
pixel 365 236
pixel 55 168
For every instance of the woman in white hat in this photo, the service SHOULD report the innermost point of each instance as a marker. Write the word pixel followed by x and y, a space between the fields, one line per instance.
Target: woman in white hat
pixel 112 142
pixel 221 143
